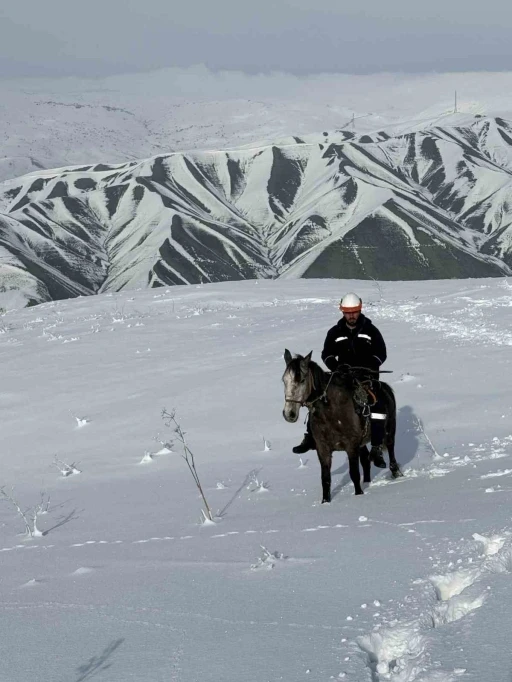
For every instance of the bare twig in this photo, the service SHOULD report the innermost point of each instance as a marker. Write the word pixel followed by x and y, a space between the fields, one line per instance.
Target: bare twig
pixel 66 469
pixel 170 420
pixel 44 505
pixel 10 498
pixel 32 513
pixel 421 429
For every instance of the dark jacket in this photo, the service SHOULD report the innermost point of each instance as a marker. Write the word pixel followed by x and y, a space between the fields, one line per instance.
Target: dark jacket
pixel 362 346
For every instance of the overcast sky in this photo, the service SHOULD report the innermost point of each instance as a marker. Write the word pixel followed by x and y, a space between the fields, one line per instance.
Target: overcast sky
pixel 104 37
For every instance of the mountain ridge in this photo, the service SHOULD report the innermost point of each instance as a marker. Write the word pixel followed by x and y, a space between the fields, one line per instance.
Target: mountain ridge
pixel 426 204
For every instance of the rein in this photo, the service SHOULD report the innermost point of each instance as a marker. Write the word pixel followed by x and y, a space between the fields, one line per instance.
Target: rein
pixel 366 385
pixel 309 404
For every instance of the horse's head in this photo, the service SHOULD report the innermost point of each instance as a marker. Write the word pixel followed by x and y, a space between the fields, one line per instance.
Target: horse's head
pixel 298 384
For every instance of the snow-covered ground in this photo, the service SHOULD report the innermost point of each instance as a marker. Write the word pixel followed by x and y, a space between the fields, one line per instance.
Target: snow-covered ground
pixel 410 582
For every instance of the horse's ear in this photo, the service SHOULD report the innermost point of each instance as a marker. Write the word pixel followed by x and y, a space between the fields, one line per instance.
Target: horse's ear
pixel 287 356
pixel 304 363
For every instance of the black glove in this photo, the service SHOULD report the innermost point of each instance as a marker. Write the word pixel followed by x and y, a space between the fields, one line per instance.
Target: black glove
pixel 331 363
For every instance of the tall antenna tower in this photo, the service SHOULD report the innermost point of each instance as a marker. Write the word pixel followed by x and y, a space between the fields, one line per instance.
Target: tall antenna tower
pixel 455 106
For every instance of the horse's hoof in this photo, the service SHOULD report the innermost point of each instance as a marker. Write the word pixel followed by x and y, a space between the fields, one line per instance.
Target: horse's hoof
pixel 359 492
pixel 396 473
pixel 379 462
pixel 326 501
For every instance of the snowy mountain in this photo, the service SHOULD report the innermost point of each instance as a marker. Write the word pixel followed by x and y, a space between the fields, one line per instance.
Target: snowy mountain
pixel 428 204
pixel 52 123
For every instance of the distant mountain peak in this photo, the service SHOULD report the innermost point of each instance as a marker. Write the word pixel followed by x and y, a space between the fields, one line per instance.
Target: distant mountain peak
pixel 424 204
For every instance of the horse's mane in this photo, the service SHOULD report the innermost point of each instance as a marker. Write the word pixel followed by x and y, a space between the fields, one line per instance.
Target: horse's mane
pixel 339 379
pixel 321 378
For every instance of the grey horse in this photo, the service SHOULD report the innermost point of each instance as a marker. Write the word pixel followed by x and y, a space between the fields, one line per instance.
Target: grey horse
pixel 334 422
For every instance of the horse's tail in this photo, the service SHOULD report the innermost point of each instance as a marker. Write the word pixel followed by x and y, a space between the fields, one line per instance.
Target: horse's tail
pixel 388 392
pixel 389 397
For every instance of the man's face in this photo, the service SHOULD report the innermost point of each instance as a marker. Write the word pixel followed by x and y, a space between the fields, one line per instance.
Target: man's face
pixel 351 318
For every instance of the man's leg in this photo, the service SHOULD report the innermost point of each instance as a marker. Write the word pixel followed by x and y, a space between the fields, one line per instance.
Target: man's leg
pixel 378 431
pixel 308 442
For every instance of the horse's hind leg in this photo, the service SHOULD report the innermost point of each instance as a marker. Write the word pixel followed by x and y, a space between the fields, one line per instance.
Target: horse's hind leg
pixel 355 474
pixel 391 432
pixel 325 458
pixel 364 458
pixel 393 464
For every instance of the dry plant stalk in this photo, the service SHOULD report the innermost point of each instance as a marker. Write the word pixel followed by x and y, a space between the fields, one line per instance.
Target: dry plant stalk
pixel 419 425
pixel 170 420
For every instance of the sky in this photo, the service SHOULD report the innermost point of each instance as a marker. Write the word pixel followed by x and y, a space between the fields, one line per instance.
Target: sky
pixel 98 38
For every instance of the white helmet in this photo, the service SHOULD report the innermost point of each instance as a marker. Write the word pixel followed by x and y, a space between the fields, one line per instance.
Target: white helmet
pixel 351 303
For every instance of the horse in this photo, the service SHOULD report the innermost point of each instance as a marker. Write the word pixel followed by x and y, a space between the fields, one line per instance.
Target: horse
pixel 334 422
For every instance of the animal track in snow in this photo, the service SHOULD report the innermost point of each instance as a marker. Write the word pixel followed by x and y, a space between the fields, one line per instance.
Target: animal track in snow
pixel 492 545
pixel 315 528
pixel 400 652
pixel 456 608
pixel 497 489
pixel 496 449
pixel 451 584
pixel 394 651
pixel 166 538
pixel 495 474
pixel 458 325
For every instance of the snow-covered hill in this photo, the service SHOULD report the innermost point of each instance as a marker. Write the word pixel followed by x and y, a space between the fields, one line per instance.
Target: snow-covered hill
pixel 421 205
pixel 410 582
pixel 50 123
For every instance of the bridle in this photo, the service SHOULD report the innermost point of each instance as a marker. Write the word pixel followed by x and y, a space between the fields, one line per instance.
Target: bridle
pixel 303 402
pixel 310 403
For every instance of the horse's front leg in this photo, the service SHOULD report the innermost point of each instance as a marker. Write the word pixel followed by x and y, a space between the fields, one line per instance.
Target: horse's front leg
pixel 364 457
pixel 353 467
pixel 325 458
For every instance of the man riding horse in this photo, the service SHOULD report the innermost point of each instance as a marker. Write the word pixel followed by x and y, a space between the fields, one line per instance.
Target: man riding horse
pixel 356 342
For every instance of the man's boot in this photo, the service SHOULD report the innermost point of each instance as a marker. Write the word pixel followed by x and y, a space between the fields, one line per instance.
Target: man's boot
pixel 376 456
pixel 308 443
